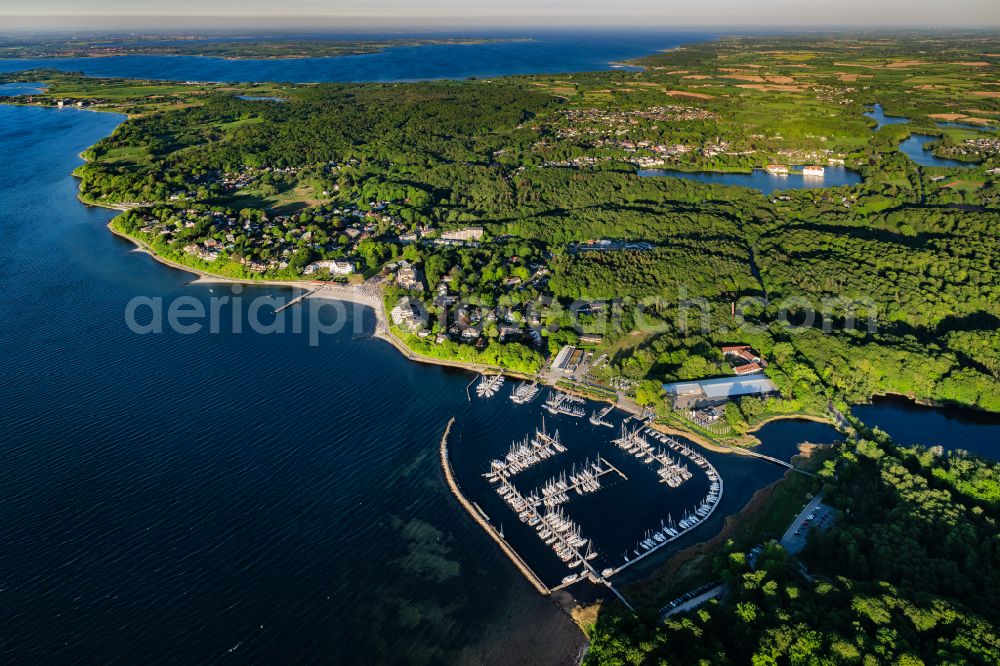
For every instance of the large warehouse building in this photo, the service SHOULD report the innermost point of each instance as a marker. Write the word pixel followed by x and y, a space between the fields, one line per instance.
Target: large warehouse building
pixel 694 394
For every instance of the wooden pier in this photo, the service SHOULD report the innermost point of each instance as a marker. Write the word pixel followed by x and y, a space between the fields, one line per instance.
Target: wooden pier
pixel 608 468
pixel 770 459
pixel 469 385
pixel 608 463
pixel 477 516
pixel 297 300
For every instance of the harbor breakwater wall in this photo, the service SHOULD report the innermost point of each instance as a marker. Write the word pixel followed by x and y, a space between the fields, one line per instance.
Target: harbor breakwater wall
pixel 477 516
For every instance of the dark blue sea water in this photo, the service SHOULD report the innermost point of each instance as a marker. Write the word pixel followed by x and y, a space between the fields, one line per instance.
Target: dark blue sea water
pixel 217 497
pixel 222 497
pixel 555 52
pixel 759 179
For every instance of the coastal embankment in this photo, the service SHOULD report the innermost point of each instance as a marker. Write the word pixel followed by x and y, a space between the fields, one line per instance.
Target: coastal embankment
pixel 479 517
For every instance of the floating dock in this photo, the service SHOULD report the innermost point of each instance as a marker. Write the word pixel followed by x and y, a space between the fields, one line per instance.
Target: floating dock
pixel 564 403
pixel 489 385
pixel 597 418
pixel 525 393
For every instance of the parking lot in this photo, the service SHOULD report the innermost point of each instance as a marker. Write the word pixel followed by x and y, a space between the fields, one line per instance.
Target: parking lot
pixel 692 599
pixel 815 515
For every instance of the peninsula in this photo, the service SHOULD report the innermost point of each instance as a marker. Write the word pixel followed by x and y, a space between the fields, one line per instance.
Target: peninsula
pixel 570 229
pixel 515 207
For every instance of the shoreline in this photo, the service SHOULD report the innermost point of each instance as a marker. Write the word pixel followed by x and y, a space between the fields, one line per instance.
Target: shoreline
pixel 926 402
pixel 324 290
pixel 383 331
pixel 698 439
pixel 787 417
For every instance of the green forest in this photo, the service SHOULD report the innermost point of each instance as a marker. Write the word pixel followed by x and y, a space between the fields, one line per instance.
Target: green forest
pixel 908 573
pixel 521 198
pixel 888 286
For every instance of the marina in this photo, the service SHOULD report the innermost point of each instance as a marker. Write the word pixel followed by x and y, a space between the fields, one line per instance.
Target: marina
pixel 489 385
pixel 525 392
pixel 599 415
pixel 575 502
pixel 566 404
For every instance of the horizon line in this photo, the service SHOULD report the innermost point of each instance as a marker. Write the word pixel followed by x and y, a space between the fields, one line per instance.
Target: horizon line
pixel 408 24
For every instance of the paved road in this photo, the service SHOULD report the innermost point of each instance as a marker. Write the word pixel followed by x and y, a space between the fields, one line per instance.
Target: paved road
pixel 794 539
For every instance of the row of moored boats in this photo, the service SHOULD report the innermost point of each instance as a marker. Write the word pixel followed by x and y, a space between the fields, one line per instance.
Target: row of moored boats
pixel 526 453
pixel 669 530
pixel 557 490
pixel 525 392
pixel 564 403
pixel 671 472
pixel 489 385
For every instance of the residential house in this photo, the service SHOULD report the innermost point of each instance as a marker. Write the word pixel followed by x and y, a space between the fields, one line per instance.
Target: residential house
pixel 407 314
pixel 408 277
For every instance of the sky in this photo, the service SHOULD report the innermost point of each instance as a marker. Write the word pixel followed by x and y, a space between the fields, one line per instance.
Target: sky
pixel 413 14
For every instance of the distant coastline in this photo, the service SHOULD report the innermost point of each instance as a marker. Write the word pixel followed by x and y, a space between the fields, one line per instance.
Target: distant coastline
pixel 277 49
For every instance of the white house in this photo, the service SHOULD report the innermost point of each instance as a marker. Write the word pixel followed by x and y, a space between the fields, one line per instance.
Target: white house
pixel 406 314
pixel 334 266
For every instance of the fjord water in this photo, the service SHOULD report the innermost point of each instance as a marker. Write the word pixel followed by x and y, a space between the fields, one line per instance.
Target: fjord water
pixel 221 497
pixel 953 428
pixel 541 52
pixel 197 498
pixel 235 497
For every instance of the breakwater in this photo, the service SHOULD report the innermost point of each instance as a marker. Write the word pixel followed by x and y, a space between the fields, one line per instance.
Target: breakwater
pixel 478 516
